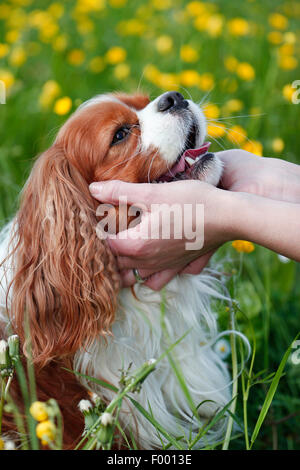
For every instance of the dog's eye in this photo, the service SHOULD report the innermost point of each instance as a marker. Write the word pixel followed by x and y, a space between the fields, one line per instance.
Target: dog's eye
pixel 120 135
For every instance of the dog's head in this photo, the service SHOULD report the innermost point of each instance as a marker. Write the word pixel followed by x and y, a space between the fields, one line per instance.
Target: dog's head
pixel 66 279
pixel 126 137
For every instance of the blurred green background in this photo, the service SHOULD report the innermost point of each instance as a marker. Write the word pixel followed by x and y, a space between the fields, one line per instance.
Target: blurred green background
pixel 239 59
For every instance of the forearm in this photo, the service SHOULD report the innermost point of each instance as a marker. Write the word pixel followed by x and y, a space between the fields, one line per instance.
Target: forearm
pixel 269 223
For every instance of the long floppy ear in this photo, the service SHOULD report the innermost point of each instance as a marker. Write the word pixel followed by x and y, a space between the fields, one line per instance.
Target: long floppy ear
pixel 66 279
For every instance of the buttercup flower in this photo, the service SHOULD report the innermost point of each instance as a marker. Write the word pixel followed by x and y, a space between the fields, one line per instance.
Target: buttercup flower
pixel 38 410
pixel 206 82
pixel 189 54
pixel 278 21
pixel 287 91
pixel 115 55
pixel 243 246
pixel 63 106
pixel 237 134
pixel 231 63
pixel 278 145
pixel 238 27
pixel 253 146
pixel 4 49
pixel 216 130
pixel 275 37
pixel 189 78
pixel 76 57
pixel 45 431
pixel 50 91
pixel 121 71
pixel 97 64
pixel 164 44
pixel 245 71
pixel 211 111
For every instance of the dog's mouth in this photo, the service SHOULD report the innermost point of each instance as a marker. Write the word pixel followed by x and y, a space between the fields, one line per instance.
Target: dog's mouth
pixel 187 158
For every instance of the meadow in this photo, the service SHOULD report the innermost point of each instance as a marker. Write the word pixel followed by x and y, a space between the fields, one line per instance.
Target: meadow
pixel 239 59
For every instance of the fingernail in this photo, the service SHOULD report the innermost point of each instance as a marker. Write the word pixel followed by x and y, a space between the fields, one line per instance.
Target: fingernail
pixel 95 188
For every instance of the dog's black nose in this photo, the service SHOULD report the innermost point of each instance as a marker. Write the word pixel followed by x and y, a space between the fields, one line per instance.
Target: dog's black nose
pixel 171 101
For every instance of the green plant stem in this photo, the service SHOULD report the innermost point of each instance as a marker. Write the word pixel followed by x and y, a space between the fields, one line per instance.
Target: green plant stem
pixel 234 392
pixel 2 396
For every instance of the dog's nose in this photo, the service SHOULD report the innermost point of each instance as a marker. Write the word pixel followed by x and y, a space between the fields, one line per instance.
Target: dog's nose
pixel 171 101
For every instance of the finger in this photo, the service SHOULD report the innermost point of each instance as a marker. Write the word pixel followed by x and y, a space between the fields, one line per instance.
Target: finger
pixel 158 280
pixel 138 194
pixel 128 278
pixel 196 266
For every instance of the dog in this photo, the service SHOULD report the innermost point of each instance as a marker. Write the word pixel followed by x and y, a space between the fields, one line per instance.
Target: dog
pixel 60 277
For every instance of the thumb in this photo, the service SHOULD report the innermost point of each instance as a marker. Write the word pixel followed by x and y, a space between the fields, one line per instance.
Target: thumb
pixel 138 194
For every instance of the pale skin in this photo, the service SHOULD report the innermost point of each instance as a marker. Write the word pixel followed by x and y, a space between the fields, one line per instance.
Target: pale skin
pixel 259 202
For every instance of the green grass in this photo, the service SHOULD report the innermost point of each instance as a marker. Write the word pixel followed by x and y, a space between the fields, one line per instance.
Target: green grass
pixel 267 290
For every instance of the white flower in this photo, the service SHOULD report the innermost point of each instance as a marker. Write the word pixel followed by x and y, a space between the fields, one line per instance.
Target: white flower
pixel 9 445
pixel 85 405
pixel 3 352
pixel 222 348
pixel 106 419
pixel 150 362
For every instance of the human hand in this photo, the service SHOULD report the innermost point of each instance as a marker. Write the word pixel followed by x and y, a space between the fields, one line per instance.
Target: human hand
pixel 163 258
pixel 267 177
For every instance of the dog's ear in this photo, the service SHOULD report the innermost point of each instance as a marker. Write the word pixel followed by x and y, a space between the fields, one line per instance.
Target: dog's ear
pixel 66 280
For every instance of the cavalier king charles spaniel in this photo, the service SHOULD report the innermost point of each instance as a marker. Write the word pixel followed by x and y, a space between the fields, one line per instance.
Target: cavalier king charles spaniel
pixel 60 277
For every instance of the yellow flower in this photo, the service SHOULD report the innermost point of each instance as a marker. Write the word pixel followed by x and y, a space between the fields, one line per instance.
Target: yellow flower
pixel 17 57
pixel 211 111
pixel 189 78
pixel 97 64
pixel 12 36
pixel 287 49
pixel 243 246
pixel 167 81
pixel 60 42
pixel 115 55
pixel 288 62
pixel 76 57
pixel 1 444
pixel 237 134
pixel 117 3
pixel 231 63
pixel 238 27
pixel 206 82
pixel 164 44
pixel 216 130
pixel 277 145
pixel 253 146
pixel 63 106
pixel 162 4
pixel 4 48
pixel 214 25
pixel 86 6
pixel 121 71
pixel 151 73
pixel 85 25
pixel 287 91
pixel 232 106
pixel 8 79
pixel 38 410
pixel 275 37
pixel 5 11
pixel 245 71
pixel 196 8
pixel 133 27
pixel 56 9
pixel 289 37
pixel 50 91
pixel 45 431
pixel 188 54
pixel 278 21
